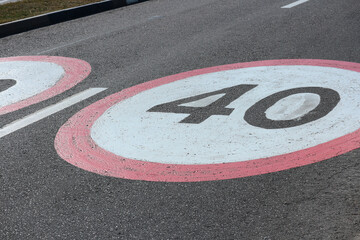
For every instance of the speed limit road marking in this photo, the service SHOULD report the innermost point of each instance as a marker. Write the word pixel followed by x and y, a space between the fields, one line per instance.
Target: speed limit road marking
pixel 31 79
pixel 222 122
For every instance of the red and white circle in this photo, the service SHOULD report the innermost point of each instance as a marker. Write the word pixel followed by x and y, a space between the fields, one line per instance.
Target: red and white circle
pixel 38 78
pixel 118 136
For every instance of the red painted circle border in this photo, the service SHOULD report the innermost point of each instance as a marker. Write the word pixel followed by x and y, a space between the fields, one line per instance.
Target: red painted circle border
pixel 76 70
pixel 74 143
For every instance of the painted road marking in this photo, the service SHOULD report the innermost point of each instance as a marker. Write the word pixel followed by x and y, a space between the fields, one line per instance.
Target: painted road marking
pixel 50 110
pixel 38 78
pixel 88 38
pixel 294 4
pixel 204 125
pixel 66 45
pixel 5 84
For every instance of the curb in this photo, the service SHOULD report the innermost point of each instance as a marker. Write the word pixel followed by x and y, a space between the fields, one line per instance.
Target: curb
pixel 51 18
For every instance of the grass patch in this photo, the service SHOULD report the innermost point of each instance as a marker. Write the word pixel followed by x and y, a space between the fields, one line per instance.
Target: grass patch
pixel 29 8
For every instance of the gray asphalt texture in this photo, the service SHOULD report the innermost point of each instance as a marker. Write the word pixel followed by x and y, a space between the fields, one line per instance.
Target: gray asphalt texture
pixel 44 197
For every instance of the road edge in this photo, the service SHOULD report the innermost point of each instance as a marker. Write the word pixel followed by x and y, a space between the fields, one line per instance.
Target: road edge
pixel 51 18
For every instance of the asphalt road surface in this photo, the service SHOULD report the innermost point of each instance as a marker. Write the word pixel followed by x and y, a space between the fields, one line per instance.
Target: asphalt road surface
pixel 42 196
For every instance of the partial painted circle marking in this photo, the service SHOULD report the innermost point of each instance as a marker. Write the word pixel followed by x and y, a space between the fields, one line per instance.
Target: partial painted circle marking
pixel 204 125
pixel 34 79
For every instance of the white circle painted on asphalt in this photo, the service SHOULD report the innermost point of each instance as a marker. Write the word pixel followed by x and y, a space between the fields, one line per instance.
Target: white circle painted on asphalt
pixel 31 79
pixel 129 130
pixel 27 80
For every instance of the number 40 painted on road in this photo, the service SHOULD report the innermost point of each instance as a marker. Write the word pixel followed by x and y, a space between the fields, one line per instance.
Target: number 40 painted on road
pixel 255 115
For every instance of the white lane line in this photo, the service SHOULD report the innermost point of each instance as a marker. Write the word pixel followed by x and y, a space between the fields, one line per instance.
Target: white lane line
pixel 65 45
pixel 92 37
pixel 43 113
pixel 295 3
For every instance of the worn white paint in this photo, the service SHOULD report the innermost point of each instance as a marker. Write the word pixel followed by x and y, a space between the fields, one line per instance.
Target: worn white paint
pixel 43 113
pixel 128 130
pixel 294 4
pixel 32 77
pixel 293 106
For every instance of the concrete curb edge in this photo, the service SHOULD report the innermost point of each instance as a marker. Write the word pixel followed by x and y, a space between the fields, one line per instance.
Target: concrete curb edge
pixel 51 18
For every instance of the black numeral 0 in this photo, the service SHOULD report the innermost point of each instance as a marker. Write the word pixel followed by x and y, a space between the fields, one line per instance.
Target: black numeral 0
pixel 255 115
